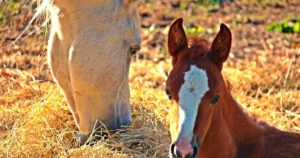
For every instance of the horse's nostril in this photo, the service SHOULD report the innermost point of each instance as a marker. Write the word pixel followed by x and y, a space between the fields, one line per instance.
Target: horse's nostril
pixel 134 48
pixel 82 139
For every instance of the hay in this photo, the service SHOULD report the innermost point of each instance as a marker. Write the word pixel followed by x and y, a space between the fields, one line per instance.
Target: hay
pixel 43 127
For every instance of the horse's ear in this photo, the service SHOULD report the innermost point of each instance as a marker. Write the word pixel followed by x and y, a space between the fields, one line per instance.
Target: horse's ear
pixel 176 39
pixel 130 5
pixel 221 46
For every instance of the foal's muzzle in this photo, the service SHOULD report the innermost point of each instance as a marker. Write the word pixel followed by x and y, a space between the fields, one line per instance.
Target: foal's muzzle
pixel 185 149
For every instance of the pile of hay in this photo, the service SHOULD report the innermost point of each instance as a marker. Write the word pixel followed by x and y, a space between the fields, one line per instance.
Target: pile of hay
pixel 40 125
pixel 37 123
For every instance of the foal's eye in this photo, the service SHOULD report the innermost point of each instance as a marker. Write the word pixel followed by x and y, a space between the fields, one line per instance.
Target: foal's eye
pixel 169 94
pixel 214 100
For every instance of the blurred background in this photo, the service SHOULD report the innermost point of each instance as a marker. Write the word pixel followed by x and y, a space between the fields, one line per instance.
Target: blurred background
pixel 263 68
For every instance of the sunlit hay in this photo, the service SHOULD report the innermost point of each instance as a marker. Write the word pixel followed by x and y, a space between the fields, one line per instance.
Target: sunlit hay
pixel 19 89
pixel 42 131
pixel 15 104
pixel 148 85
pixel 145 137
pixel 40 124
pixel 99 150
pixel 268 90
pixel 45 127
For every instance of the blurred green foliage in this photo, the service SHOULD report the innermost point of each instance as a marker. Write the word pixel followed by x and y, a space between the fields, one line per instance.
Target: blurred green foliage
pixel 194 30
pixel 207 1
pixel 14 5
pixel 292 26
pixel 1 16
pixel 9 8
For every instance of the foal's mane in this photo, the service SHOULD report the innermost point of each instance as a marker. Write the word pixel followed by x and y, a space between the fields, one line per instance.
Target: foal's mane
pixel 198 46
pixel 196 41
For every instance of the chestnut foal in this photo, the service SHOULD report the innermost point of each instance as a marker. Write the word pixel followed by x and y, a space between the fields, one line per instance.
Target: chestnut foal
pixel 207 122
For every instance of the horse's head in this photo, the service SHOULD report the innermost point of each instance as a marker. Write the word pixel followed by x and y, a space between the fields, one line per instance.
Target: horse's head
pixel 196 84
pixel 117 21
pixel 90 48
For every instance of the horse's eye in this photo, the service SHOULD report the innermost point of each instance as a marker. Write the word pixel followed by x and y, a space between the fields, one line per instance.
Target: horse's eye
pixel 133 49
pixel 169 94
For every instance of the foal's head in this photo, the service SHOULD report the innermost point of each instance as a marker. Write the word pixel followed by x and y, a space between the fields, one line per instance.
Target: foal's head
pixel 196 84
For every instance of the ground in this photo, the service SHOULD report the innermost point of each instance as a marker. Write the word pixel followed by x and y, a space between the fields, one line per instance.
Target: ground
pixel 263 69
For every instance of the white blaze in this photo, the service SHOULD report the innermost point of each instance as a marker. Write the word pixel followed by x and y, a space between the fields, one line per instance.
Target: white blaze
pixel 190 94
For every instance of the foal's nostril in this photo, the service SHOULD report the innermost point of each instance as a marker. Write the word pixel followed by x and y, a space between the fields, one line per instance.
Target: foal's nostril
pixel 191 155
pixel 178 154
pixel 175 153
pixel 183 153
pixel 195 152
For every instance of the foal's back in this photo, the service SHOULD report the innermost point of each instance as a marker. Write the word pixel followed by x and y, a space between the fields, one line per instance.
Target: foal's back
pixel 280 144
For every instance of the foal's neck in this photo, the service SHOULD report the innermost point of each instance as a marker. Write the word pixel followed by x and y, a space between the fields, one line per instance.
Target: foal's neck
pixel 242 128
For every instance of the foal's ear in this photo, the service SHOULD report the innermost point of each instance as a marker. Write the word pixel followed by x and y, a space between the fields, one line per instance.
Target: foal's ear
pixel 221 46
pixel 176 39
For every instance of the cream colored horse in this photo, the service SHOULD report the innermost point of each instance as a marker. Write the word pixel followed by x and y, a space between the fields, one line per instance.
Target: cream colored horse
pixel 89 51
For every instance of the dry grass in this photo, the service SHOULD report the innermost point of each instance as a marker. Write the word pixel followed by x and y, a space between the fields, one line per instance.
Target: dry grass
pixel 35 120
pixel 39 124
pixel 42 126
